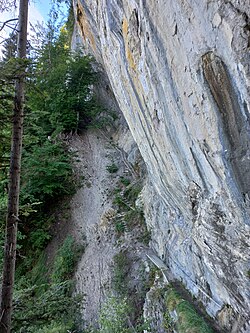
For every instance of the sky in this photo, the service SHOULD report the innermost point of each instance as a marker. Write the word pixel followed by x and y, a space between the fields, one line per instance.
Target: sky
pixel 38 11
pixel 42 7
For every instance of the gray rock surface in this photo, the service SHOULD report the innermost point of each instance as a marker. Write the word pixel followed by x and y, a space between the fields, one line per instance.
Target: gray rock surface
pixel 180 73
pixel 94 216
pixel 91 218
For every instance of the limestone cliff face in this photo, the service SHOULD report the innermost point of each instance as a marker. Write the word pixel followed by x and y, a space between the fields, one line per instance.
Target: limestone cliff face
pixel 180 73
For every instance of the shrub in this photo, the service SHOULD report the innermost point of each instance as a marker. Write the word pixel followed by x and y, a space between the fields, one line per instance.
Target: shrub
pixel 120 276
pixel 113 168
pixel 47 172
pixel 56 327
pixel 56 305
pixel 125 181
pixel 120 227
pixel 114 316
pixel 65 260
pixel 44 302
pixel 188 319
pixel 39 238
pixel 39 273
pixel 132 192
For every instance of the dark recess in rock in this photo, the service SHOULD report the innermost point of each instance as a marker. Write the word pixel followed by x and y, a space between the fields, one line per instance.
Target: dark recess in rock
pixel 235 121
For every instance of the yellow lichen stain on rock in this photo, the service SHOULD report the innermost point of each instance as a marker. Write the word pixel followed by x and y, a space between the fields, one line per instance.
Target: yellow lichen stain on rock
pixel 129 54
pixel 84 25
pixel 132 64
pixel 125 27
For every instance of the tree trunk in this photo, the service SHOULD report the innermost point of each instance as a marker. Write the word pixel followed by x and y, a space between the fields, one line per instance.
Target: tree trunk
pixel 14 183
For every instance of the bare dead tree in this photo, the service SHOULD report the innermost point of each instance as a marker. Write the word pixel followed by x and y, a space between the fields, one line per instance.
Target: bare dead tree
pixel 14 182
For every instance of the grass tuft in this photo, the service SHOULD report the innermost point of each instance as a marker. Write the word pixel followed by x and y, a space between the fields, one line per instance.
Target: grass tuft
pixel 189 321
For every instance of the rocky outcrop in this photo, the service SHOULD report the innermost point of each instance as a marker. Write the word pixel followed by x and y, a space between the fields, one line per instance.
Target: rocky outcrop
pixel 180 73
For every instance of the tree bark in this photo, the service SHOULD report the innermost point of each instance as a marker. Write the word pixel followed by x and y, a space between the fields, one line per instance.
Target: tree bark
pixel 14 183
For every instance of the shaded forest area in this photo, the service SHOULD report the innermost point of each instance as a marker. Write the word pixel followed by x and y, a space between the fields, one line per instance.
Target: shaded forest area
pixel 59 101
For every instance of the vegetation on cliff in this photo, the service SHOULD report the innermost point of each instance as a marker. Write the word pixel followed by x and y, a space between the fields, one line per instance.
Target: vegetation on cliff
pixel 59 101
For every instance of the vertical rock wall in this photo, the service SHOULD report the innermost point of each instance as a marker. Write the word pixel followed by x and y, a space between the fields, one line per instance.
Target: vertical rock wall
pixel 180 73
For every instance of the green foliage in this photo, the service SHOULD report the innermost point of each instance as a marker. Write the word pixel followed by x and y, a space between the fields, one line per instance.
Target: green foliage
pixel 188 319
pixel 114 316
pixel 2 248
pixel 56 327
pixel 38 276
pixel 125 196
pixel 60 99
pixel 62 87
pixel 55 305
pixel 125 181
pixel 172 299
pixel 47 173
pixel 47 176
pixel 6 106
pixel 39 238
pixel 119 201
pixel 43 299
pixel 70 21
pixel 29 208
pixel 168 321
pixel 132 192
pixel 145 236
pixel 120 275
pixel 134 216
pixel 120 227
pixel 112 168
pixel 153 273
pixel 65 260
pixel 9 47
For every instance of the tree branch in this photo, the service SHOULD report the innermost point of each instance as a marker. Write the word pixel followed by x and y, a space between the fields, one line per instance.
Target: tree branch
pixel 6 23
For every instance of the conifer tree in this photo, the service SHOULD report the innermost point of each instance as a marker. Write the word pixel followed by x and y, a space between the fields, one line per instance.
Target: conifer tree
pixel 10 46
pixel 14 183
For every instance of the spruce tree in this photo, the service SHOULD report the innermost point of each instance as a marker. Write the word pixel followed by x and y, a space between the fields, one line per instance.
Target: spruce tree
pixel 14 183
pixel 10 47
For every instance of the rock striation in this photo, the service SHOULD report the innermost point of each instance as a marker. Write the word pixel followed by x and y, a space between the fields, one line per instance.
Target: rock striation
pixel 179 71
